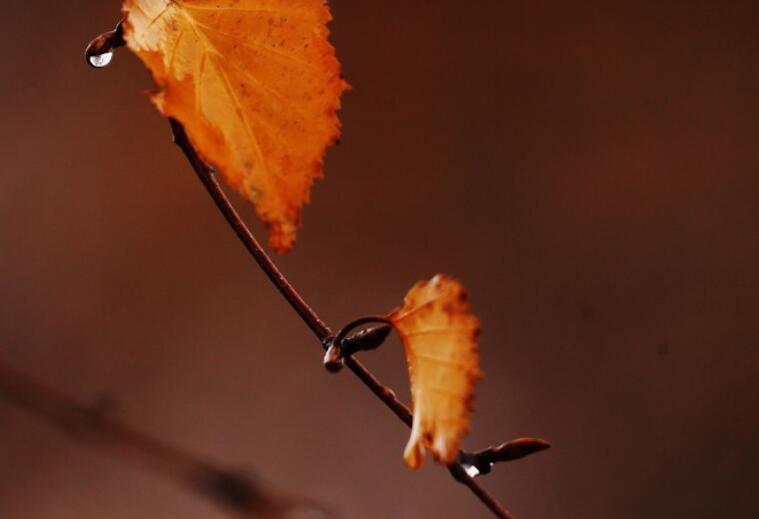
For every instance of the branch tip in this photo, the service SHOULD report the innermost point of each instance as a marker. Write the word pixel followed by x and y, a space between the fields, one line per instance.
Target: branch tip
pixel 482 462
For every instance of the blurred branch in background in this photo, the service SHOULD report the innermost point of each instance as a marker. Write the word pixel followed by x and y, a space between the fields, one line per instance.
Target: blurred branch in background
pixel 237 493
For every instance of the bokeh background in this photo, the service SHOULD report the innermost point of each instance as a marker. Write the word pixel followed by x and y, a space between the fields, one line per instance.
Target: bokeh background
pixel 588 169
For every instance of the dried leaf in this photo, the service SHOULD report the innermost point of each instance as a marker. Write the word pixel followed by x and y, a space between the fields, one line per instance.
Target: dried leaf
pixel 439 334
pixel 256 85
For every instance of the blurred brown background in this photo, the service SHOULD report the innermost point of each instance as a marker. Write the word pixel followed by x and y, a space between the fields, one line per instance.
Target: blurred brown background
pixel 589 170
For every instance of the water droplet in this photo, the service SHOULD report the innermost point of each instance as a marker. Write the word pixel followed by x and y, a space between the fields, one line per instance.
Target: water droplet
pixel 472 471
pixel 101 60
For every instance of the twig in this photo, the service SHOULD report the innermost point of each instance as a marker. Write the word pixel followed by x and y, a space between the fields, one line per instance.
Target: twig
pixel 233 491
pixel 111 40
pixel 309 316
pixel 206 176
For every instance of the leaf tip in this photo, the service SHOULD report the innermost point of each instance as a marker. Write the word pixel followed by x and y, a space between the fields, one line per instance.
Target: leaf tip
pixel 282 236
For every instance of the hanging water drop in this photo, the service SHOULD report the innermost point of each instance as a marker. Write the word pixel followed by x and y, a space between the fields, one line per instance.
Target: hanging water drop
pixel 472 471
pixel 101 60
pixel 99 52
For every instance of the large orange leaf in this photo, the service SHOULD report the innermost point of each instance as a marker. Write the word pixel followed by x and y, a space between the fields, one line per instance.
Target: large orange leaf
pixel 256 85
pixel 439 334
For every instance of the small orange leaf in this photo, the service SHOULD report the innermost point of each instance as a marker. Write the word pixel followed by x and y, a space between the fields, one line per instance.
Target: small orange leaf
pixel 439 334
pixel 256 85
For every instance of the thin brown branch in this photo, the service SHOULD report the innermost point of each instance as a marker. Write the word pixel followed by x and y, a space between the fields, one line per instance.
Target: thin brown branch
pixel 233 491
pixel 263 260
pixel 309 316
pixel 109 41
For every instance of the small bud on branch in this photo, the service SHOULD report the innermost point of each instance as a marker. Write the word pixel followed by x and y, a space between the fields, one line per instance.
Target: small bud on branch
pixel 483 461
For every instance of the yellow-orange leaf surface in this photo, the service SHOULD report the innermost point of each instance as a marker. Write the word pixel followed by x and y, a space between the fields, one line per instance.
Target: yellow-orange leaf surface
pixel 439 334
pixel 256 85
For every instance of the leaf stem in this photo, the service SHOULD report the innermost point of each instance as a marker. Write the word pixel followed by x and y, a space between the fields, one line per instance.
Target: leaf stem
pixel 309 316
